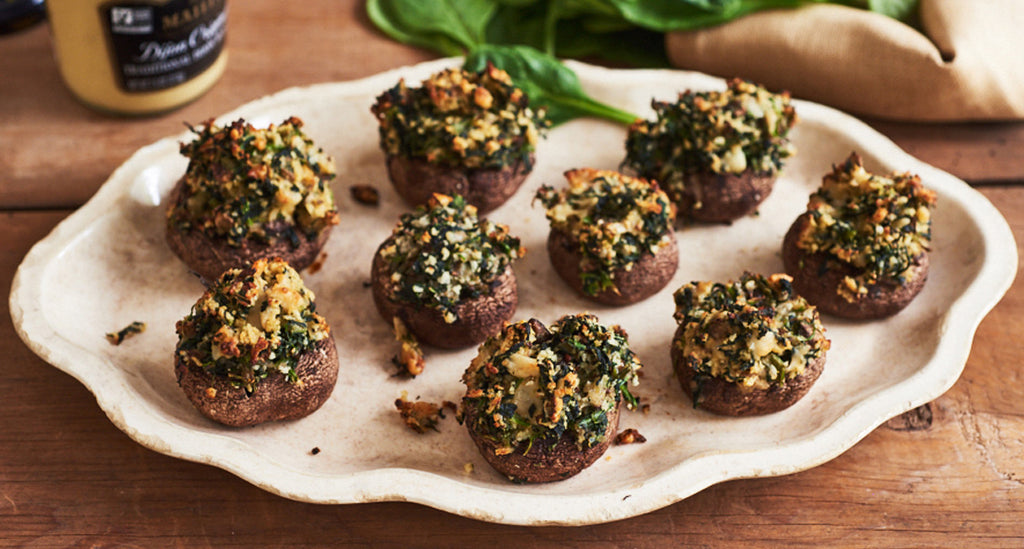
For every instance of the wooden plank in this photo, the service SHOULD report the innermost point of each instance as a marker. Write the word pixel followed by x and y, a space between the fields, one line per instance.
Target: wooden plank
pixel 979 153
pixel 947 475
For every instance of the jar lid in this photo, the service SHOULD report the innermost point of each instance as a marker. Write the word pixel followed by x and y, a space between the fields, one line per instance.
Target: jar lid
pixel 16 15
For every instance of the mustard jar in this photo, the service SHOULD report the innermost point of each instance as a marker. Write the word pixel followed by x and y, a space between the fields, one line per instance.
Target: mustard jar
pixel 139 57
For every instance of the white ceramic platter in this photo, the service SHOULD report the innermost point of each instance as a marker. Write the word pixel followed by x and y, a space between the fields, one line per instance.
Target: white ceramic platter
pixel 107 265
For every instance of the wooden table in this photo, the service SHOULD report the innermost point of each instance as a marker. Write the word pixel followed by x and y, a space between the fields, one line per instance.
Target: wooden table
pixel 950 473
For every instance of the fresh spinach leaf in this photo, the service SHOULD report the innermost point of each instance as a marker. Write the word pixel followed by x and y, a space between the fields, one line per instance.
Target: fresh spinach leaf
pixel 547 82
pixel 606 37
pixel 448 26
pixel 674 15
pixel 630 47
pixel 524 25
pixel 903 10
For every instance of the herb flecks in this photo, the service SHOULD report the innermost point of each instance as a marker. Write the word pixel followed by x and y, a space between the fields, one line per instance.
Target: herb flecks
pixel 615 219
pixel 743 128
pixel 880 225
pixel 245 182
pixel 460 119
pixel 251 323
pixel 118 337
pixel 755 332
pixel 533 383
pixel 442 253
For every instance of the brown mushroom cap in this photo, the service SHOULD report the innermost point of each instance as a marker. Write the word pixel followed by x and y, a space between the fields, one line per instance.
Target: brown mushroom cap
pixel 274 399
pixel 649 274
pixel 478 317
pixel 724 397
pixel 416 180
pixel 210 257
pixel 544 461
pixel 818 276
pixel 720 198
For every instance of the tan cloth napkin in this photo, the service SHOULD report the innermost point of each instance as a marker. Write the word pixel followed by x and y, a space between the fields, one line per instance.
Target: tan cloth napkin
pixel 968 64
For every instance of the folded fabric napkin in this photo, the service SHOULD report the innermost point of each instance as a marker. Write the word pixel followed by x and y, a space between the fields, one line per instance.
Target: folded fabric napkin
pixel 967 65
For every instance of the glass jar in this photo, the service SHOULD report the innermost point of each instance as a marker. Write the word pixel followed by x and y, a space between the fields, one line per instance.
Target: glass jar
pixel 139 57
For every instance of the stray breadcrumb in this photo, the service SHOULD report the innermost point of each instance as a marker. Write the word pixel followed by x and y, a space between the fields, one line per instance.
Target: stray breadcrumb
pixel 128 331
pixel 315 450
pixel 468 468
pixel 419 415
pixel 629 436
pixel 365 194
pixel 317 264
pixel 409 359
pixel 645 408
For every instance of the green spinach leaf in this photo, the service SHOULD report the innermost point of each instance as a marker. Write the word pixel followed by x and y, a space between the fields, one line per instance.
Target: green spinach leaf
pixel 903 10
pixel 547 82
pixel 448 26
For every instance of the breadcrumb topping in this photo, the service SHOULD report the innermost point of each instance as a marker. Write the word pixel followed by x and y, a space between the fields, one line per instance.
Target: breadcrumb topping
pixel 878 224
pixel 743 128
pixel 250 324
pixel 614 218
pixel 532 382
pixel 460 119
pixel 261 183
pixel 755 332
pixel 442 253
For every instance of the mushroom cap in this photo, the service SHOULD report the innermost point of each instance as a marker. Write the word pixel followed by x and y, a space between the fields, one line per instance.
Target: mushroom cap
pixel 818 276
pixel 274 399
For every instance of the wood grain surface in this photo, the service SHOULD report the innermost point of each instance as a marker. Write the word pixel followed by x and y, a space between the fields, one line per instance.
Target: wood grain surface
pixel 948 474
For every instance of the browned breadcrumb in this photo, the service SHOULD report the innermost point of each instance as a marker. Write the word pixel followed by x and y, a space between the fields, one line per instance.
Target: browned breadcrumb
pixel 365 194
pixel 116 338
pixel 317 264
pixel 409 359
pixel 315 450
pixel 645 408
pixel 629 436
pixel 419 415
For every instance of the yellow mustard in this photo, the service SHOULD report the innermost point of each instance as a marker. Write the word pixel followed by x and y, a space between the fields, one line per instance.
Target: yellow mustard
pixel 139 57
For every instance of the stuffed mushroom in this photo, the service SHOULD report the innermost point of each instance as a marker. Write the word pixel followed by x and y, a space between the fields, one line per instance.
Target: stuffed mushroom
pixel 542 403
pixel 447 274
pixel 612 237
pixel 716 153
pixel 250 193
pixel 253 348
pixel 860 251
pixel 466 133
pixel 749 347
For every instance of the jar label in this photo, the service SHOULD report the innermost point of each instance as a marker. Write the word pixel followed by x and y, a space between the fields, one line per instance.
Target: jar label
pixel 156 47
